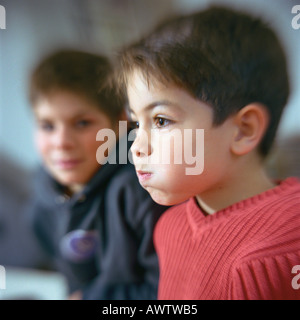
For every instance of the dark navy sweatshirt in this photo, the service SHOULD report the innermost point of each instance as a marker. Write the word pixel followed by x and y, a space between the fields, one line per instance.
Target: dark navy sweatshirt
pixel 100 238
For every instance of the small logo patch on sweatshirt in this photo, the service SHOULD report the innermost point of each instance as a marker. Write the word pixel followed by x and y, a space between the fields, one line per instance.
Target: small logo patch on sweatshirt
pixel 79 245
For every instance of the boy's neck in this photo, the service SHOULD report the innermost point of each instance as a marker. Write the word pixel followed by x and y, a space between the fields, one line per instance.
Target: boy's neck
pixel 243 184
pixel 73 189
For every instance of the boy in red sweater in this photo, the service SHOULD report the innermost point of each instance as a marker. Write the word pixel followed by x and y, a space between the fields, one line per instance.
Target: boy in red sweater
pixel 233 233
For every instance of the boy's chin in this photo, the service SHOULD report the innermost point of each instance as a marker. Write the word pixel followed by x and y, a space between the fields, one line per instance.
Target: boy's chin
pixel 164 200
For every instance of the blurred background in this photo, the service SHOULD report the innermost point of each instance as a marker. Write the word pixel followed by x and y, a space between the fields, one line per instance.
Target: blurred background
pixel 35 27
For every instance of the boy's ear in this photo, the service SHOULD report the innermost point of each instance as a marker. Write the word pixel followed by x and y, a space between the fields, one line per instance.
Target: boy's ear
pixel 250 125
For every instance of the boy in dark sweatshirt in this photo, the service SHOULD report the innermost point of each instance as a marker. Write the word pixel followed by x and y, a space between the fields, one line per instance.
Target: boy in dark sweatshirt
pixel 90 214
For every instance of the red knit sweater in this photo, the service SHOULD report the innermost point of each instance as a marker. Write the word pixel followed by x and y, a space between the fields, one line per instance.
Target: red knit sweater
pixel 246 251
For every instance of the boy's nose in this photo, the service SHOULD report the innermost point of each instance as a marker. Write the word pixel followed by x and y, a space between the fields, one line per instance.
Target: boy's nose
pixel 141 146
pixel 63 139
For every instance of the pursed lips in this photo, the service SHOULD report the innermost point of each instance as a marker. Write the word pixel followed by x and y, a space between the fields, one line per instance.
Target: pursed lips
pixel 144 175
pixel 66 164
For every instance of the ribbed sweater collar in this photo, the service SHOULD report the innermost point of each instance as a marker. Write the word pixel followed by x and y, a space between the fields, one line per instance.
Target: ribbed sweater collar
pixel 198 219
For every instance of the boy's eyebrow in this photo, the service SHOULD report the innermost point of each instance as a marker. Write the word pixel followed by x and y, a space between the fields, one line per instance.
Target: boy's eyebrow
pixel 81 114
pixel 73 117
pixel 156 104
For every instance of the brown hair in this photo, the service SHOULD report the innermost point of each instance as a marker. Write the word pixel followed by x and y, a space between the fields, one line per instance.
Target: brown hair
pixel 223 57
pixel 79 72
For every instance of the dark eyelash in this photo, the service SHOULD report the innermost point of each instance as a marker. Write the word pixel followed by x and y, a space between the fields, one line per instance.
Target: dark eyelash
pixel 83 123
pixel 46 126
pixel 133 125
pixel 166 122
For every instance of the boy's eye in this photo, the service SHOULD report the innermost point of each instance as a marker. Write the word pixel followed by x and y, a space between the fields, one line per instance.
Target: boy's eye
pixel 82 123
pixel 46 126
pixel 161 122
pixel 134 125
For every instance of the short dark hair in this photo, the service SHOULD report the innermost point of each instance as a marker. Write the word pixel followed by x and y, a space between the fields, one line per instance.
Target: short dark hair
pixel 221 56
pixel 83 73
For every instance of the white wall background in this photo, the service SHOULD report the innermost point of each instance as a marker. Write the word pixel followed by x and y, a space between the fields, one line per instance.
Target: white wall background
pixel 34 27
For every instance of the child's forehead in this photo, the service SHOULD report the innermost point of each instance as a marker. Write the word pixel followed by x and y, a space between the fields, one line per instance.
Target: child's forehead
pixel 63 97
pixel 141 83
pixel 61 93
pixel 144 97
pixel 65 102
